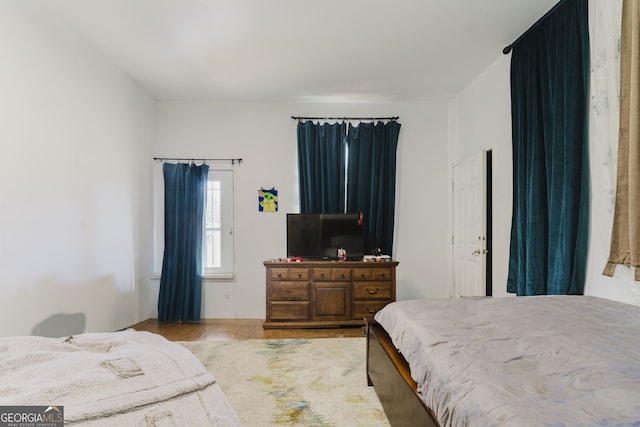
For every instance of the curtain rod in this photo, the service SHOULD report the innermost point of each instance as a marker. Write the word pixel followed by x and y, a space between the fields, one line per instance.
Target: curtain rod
pixel 344 118
pixel 193 159
pixel 508 49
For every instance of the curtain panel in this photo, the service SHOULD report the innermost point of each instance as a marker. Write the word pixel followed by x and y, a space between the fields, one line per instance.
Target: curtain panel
pixel 371 181
pixel 625 236
pixel 321 167
pixel 351 169
pixel 604 118
pixel 181 281
pixel 549 108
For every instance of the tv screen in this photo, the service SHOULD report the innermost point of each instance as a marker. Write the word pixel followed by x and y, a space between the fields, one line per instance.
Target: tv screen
pixel 303 236
pixel 318 236
pixel 342 231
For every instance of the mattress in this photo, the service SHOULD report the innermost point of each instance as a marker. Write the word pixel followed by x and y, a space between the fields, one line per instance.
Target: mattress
pixel 525 361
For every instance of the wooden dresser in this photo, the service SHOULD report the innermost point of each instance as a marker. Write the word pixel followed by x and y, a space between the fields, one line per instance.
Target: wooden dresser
pixel 316 294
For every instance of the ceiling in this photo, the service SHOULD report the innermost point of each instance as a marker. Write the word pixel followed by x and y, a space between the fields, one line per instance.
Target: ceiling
pixel 300 50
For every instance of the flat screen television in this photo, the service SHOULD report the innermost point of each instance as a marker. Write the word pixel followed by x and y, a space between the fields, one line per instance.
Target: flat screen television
pixel 318 236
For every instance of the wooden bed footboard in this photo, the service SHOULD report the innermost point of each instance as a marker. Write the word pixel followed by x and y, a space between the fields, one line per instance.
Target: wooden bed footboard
pixel 388 372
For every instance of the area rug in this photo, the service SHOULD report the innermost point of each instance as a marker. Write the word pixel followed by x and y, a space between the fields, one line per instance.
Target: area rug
pixel 299 382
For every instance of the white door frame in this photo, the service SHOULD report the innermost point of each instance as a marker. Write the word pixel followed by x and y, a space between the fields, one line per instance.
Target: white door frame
pixel 471 226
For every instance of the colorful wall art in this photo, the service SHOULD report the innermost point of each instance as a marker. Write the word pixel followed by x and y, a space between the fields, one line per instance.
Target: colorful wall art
pixel 268 200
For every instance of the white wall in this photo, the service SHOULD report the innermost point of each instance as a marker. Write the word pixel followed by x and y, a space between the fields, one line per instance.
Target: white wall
pixel 481 119
pixel 75 144
pixel 264 136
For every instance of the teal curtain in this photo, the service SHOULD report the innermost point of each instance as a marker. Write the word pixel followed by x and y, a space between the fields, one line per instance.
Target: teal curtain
pixel 181 281
pixel 549 102
pixel 321 167
pixel 371 180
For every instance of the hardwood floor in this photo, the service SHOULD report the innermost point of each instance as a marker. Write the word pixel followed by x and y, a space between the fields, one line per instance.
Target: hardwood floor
pixel 235 329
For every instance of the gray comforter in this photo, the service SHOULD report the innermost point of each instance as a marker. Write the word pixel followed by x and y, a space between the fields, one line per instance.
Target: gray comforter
pixel 526 361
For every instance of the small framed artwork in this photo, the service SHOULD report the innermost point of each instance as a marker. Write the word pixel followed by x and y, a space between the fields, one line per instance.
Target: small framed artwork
pixel 267 200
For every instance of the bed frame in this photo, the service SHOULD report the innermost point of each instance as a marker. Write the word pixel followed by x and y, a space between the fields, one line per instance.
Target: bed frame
pixel 388 372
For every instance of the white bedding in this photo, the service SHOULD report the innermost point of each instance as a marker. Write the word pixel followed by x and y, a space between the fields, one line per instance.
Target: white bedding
pixel 125 378
pixel 526 361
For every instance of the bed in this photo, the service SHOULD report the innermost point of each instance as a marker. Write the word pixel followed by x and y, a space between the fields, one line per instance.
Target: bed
pixel 544 360
pixel 126 378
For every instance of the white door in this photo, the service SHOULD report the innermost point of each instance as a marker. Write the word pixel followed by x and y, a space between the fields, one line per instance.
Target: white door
pixel 469 227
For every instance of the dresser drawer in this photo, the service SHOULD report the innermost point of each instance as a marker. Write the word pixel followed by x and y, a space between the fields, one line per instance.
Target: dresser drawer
pixel 371 290
pixel 362 309
pixel 332 274
pixel 376 273
pixel 293 310
pixel 291 291
pixel 289 274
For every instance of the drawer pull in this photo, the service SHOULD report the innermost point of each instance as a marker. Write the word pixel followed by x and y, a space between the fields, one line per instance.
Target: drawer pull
pixel 342 274
pixel 361 274
pixel 371 310
pixel 381 274
pixel 279 274
pixel 322 274
pixel 372 292
pixel 299 275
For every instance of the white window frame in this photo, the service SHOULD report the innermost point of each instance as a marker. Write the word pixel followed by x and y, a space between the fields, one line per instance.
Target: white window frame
pixel 226 269
pixel 227 254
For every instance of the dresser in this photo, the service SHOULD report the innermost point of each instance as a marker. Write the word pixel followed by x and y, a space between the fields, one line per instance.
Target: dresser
pixel 316 294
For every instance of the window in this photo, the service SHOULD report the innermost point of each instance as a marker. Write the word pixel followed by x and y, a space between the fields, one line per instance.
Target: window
pixel 217 246
pixel 212 248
